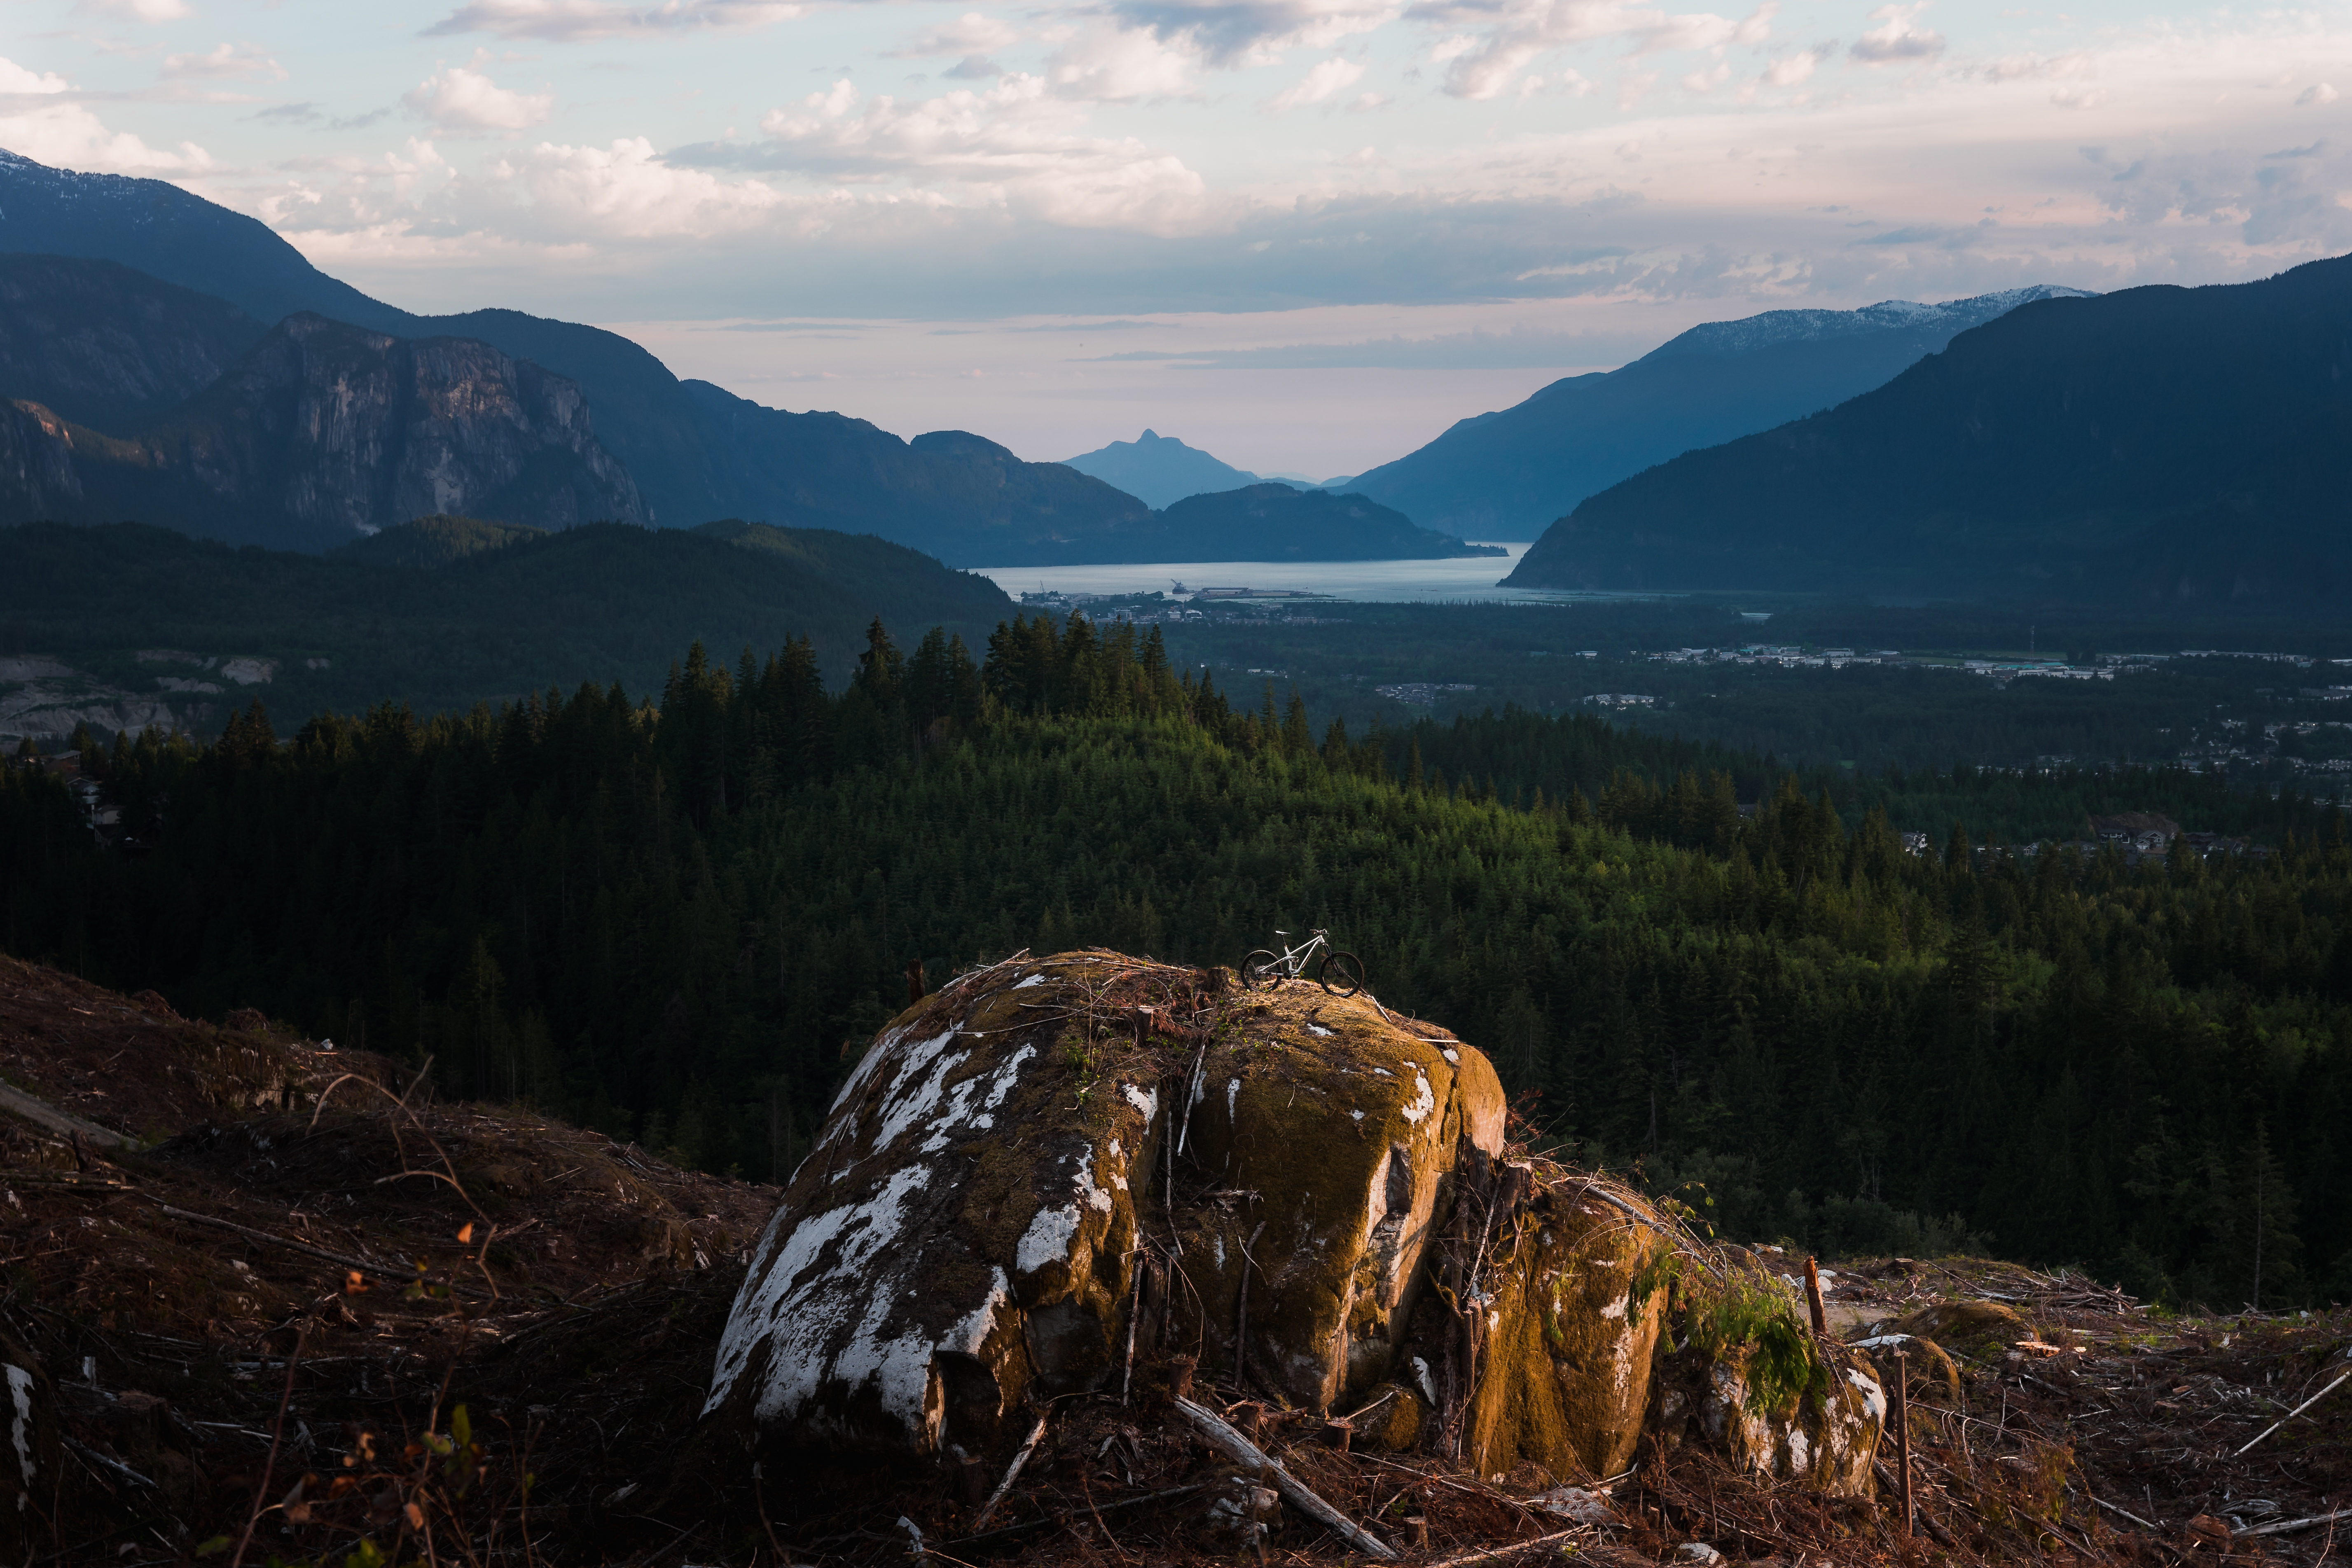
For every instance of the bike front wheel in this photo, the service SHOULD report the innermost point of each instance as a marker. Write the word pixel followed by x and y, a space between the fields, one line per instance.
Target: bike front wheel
pixel 1260 970
pixel 1340 973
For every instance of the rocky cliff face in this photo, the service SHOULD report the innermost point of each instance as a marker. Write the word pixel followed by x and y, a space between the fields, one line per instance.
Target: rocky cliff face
pixel 324 432
pixel 344 431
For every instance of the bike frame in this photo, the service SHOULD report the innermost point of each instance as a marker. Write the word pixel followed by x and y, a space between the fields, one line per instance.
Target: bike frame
pixel 1293 961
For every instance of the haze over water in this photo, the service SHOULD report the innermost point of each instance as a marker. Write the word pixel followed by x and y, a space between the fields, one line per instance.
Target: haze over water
pixel 1473 579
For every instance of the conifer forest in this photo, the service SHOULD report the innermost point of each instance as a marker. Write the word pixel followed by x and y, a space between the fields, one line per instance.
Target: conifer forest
pixel 678 918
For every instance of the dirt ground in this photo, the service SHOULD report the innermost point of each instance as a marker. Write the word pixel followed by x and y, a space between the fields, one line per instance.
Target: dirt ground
pixel 260 1280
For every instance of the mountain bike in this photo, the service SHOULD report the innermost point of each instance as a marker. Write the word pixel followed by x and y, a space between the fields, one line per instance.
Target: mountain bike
pixel 1340 973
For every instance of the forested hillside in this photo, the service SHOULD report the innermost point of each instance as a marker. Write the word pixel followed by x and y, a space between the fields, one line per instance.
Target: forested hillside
pixel 695 910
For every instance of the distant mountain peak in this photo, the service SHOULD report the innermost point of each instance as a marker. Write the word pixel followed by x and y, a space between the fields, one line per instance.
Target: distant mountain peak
pixel 1161 470
pixel 1751 334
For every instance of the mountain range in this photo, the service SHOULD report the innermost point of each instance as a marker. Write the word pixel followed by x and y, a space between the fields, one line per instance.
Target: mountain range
pixel 1508 474
pixel 2158 444
pixel 177 292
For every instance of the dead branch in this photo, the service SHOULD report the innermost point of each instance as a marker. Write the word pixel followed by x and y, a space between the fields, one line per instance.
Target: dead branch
pixel 1241 1451
pixel 1019 1459
pixel 2293 1414
pixel 1497 1553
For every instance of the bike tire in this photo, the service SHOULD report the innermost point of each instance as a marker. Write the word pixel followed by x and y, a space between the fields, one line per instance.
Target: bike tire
pixel 1340 973
pixel 1258 971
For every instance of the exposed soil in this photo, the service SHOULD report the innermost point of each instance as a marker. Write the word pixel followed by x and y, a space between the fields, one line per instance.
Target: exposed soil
pixel 280 1292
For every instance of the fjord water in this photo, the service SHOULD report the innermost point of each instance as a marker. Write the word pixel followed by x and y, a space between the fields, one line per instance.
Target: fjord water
pixel 1473 579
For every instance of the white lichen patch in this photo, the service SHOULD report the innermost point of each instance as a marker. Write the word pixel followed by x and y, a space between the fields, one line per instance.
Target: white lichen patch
pixel 1423 1102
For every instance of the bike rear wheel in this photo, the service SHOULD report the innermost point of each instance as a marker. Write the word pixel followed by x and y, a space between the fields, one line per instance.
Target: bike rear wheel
pixel 1259 971
pixel 1340 973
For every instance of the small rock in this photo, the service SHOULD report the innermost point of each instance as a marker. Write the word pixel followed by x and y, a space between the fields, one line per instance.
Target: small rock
pixel 1696 1551
pixel 1576 1503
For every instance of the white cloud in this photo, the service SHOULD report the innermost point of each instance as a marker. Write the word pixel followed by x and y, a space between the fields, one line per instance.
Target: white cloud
pixel 626 189
pixel 1325 79
pixel 1509 35
pixel 226 60
pixel 1119 64
pixel 2039 67
pixel 1705 81
pixel 17 79
pixel 1791 70
pixel 1019 146
pixel 463 102
pixel 2319 93
pixel 973 33
pixel 67 136
pixel 1895 39
pixel 582 21
pixel 142 10
pixel 70 136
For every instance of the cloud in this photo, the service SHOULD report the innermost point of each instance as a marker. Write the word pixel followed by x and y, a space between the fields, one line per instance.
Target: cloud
pixel 69 136
pixel 1230 33
pixel 1791 70
pixel 1895 39
pixel 17 79
pixel 2319 93
pixel 1119 64
pixel 462 101
pixel 624 188
pixel 974 67
pixel 142 10
pixel 226 60
pixel 1508 36
pixel 2038 67
pixel 1320 82
pixel 1019 147
pixel 583 21
pixel 973 33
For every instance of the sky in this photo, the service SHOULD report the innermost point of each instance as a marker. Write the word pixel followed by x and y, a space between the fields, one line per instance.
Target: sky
pixel 1306 235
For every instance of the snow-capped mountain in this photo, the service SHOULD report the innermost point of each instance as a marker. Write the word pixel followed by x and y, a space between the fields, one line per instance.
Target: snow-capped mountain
pixel 1506 475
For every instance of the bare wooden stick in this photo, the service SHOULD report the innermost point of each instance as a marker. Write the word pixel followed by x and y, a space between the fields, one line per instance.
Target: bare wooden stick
pixel 1241 1451
pixel 343 1260
pixel 2288 1527
pixel 1903 1435
pixel 2294 1413
pixel 1813 1299
pixel 1497 1553
pixel 2125 1512
pixel 1014 1471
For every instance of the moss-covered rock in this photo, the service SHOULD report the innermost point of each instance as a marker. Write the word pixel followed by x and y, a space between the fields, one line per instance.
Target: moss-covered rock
pixel 1326 1137
pixel 964 1225
pixel 1980 1331
pixel 966 1228
pixel 1567 1352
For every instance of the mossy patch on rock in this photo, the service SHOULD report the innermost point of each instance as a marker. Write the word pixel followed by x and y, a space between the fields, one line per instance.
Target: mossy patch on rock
pixel 1565 1367
pixel 1980 1331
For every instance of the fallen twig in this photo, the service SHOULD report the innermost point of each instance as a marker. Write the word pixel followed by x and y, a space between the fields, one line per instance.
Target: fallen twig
pixel 2287 1527
pixel 1019 1459
pixel 1497 1553
pixel 2293 1414
pixel 1241 1450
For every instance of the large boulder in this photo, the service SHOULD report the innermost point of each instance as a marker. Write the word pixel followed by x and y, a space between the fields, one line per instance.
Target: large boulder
pixel 966 1227
pixel 1318 1161
pixel 1570 1333
pixel 1061 1174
